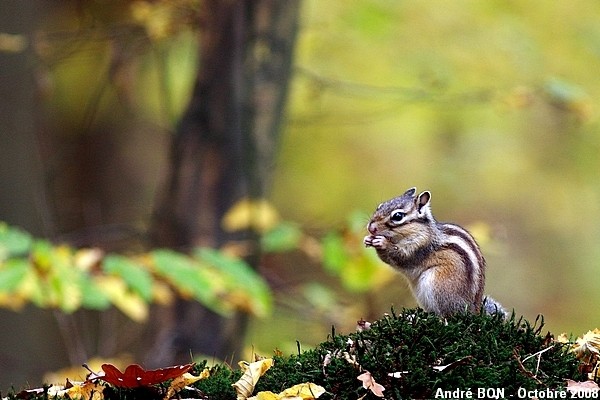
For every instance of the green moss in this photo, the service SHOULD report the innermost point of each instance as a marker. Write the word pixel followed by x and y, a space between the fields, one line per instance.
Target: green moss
pixel 479 351
pixel 412 354
pixel 218 386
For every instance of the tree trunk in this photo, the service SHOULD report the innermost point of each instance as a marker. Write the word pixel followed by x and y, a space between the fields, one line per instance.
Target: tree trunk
pixel 223 150
pixel 31 342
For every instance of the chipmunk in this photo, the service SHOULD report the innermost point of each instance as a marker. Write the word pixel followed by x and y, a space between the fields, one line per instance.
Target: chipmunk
pixel 441 261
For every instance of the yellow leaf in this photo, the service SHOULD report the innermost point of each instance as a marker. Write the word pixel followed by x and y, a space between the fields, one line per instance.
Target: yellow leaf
pixel 184 380
pixel 162 293
pixel 129 303
pixel 252 373
pixel 31 288
pixel 264 396
pixel 12 43
pixel 85 391
pixel 258 215
pixel 12 301
pixel 562 338
pixel 304 391
pixel 155 17
pixel 75 391
pixel 86 259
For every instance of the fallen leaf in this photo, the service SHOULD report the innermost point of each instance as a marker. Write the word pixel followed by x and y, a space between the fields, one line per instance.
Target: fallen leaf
pixel 304 391
pixel 252 373
pixel 85 391
pixel 351 359
pixel 362 325
pixel 587 347
pixel 135 376
pixel 587 389
pixel 74 390
pixel 562 338
pixel 184 380
pixel 264 396
pixel 369 383
pixel 79 374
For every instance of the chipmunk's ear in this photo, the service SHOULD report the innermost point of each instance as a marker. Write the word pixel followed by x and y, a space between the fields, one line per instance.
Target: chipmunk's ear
pixel 410 192
pixel 423 202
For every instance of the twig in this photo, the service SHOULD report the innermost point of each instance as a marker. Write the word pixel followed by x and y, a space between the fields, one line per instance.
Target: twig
pixel 525 370
pixel 539 354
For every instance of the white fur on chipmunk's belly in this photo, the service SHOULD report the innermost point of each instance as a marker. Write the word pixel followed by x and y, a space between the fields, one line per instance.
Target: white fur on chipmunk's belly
pixel 437 301
pixel 423 293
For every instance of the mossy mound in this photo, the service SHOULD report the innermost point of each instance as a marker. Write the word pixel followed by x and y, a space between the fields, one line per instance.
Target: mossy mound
pixel 413 354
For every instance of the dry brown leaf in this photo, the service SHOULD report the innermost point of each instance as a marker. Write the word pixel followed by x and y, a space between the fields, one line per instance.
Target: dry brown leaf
pixel 370 384
pixel 252 373
pixel 85 391
pixel 587 347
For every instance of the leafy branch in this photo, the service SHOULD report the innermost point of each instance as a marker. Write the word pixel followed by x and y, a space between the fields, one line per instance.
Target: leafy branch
pixel 64 278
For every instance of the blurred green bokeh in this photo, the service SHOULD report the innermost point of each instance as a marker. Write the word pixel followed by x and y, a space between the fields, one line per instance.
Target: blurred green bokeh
pixel 493 106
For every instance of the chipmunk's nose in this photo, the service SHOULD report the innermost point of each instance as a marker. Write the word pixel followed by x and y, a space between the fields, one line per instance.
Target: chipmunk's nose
pixel 372 228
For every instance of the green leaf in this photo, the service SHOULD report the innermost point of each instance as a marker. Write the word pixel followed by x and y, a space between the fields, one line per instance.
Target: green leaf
pixel 134 274
pixel 320 296
pixel 64 280
pixel 41 254
pixel 12 273
pixel 240 277
pixel 335 255
pixel 190 278
pixel 284 237
pixel 232 268
pixel 93 298
pixel 13 242
pixel 359 274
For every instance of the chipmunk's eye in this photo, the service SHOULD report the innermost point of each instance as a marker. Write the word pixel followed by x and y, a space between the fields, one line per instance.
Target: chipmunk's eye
pixel 397 216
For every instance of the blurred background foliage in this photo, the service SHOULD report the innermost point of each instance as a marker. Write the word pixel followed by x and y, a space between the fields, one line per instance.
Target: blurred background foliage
pixel 490 105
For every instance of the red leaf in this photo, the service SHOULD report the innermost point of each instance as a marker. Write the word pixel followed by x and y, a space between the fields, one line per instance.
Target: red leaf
pixel 135 376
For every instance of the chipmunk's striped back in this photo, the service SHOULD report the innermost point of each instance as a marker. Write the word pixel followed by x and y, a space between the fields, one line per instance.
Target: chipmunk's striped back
pixel 442 262
pixel 460 241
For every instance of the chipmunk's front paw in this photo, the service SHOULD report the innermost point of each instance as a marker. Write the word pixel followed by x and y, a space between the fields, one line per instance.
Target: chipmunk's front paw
pixel 377 242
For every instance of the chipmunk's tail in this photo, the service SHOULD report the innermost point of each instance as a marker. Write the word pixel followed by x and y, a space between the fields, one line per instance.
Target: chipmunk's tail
pixel 491 306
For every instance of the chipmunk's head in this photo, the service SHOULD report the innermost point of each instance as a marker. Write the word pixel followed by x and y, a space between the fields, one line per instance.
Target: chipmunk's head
pixel 404 215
